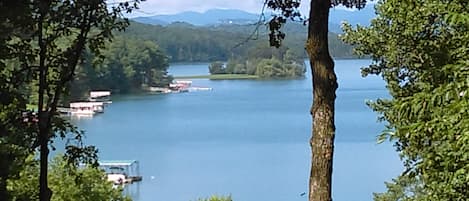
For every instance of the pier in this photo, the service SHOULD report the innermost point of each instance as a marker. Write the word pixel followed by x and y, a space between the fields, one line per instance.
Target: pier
pixel 121 172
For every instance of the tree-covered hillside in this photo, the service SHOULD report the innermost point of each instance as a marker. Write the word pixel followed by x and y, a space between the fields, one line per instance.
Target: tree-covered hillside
pixel 129 64
pixel 184 42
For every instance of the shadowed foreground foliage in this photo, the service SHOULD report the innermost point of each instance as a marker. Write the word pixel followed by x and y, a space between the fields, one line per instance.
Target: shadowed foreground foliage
pixel 216 198
pixel 421 49
pixel 41 44
pixel 66 181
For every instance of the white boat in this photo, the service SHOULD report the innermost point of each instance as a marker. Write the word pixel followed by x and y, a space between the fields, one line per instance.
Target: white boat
pixel 159 90
pixel 179 86
pixel 100 96
pixel 86 108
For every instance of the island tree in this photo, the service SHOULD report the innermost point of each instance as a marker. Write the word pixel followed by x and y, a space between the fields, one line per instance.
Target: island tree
pixel 324 84
pixel 420 48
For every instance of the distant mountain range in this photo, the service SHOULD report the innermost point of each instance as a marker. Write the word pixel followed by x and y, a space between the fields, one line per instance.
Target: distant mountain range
pixel 210 17
pixel 232 16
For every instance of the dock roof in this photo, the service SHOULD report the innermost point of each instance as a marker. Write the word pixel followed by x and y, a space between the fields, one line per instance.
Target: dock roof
pixel 117 162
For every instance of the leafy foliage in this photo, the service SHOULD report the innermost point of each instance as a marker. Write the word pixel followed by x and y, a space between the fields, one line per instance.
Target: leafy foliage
pixel 43 42
pixel 67 181
pixel 403 188
pixel 359 4
pixel 17 136
pixel 289 9
pixel 128 65
pixel 217 68
pixel 265 62
pixel 216 198
pixel 420 48
pixel 183 42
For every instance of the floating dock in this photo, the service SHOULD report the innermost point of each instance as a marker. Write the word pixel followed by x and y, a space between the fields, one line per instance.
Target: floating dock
pixel 121 172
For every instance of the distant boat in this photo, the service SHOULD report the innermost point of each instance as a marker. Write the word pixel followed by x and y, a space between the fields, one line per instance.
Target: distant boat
pixel 179 86
pixel 159 90
pixel 86 108
pixel 100 96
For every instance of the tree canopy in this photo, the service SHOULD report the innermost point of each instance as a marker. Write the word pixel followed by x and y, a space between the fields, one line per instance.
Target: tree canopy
pixel 67 181
pixel 42 42
pixel 184 42
pixel 420 48
pixel 265 62
pixel 129 64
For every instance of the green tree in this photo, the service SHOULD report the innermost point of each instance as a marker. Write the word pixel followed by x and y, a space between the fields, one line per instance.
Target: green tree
pixel 420 48
pixel 267 62
pixel 217 68
pixel 15 129
pixel 16 133
pixel 403 188
pixel 67 181
pixel 324 84
pixel 129 64
pixel 216 198
pixel 64 30
pixel 48 47
pixel 185 42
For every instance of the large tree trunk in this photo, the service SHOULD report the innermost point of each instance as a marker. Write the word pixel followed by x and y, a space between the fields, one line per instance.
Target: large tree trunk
pixel 3 187
pixel 322 110
pixel 44 192
pixel 43 116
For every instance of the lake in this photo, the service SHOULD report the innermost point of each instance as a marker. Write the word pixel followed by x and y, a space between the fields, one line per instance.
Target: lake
pixel 247 138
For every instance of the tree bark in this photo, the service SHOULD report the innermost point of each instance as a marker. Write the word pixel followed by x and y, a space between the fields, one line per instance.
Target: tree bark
pixel 44 192
pixel 3 188
pixel 322 110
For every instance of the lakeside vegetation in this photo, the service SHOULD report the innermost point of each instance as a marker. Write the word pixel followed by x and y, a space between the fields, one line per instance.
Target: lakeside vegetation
pixel 41 45
pixel 140 57
pixel 418 47
pixel 183 42
pixel 128 65
pixel 63 180
pixel 220 77
pixel 264 62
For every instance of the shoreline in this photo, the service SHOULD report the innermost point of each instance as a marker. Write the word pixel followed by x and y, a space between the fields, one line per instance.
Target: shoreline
pixel 219 77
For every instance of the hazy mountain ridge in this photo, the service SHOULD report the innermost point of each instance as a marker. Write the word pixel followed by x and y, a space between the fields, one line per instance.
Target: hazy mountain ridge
pixel 210 17
pixel 233 16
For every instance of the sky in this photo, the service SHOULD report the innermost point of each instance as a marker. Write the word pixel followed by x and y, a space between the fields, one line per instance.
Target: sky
pixel 161 7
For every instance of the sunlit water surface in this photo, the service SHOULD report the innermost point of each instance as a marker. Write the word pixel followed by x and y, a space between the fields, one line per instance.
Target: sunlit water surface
pixel 246 138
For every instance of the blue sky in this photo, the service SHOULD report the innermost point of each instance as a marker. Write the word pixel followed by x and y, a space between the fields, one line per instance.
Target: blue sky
pixel 160 7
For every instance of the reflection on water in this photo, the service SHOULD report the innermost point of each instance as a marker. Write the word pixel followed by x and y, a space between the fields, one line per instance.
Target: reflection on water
pixel 132 190
pixel 246 138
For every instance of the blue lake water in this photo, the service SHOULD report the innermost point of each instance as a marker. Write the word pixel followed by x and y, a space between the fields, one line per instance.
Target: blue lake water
pixel 246 138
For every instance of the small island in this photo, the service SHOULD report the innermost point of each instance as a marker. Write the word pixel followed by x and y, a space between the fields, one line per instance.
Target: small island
pixel 260 62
